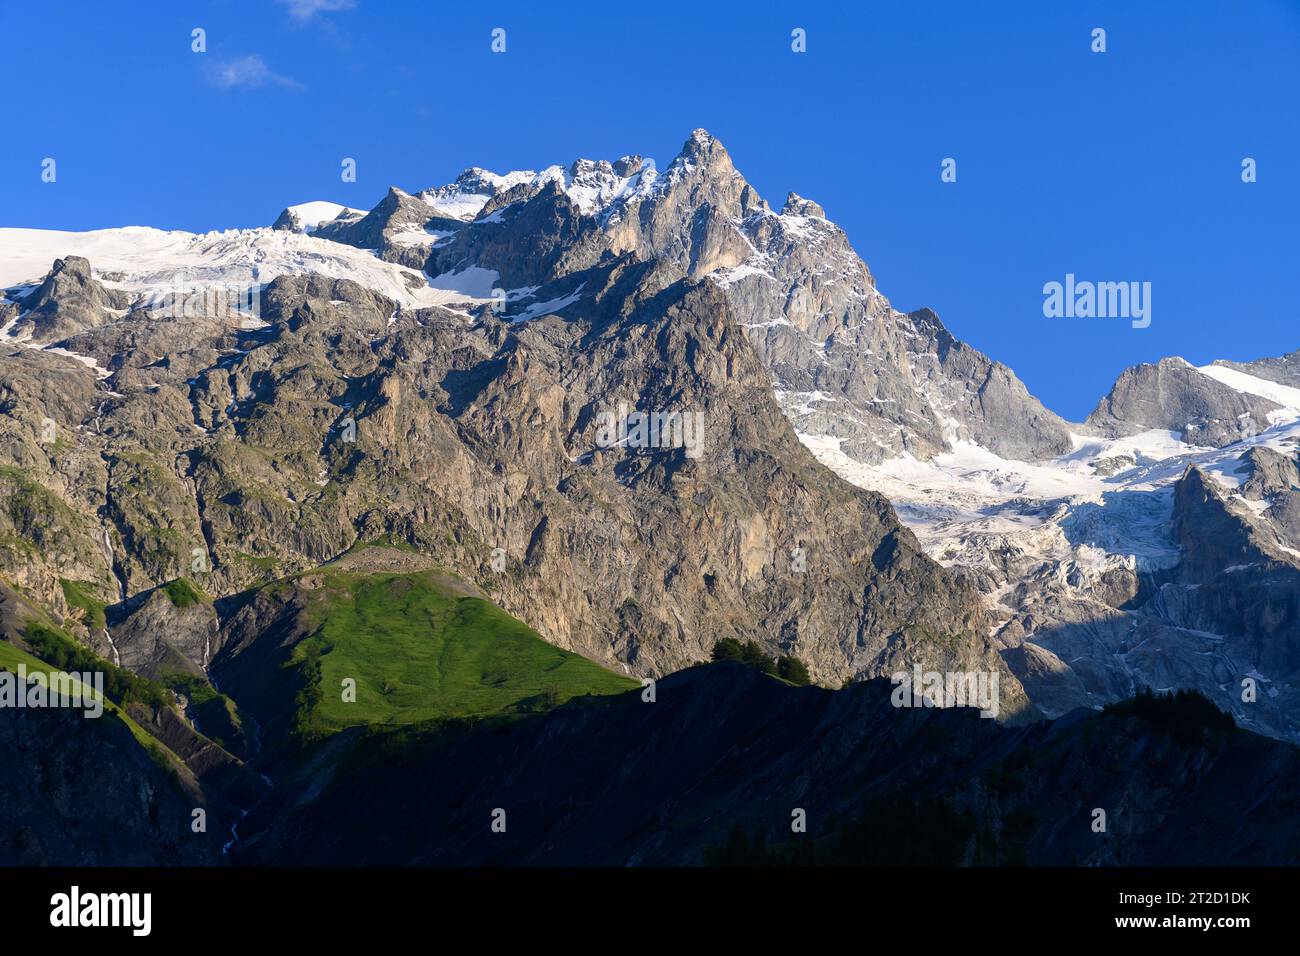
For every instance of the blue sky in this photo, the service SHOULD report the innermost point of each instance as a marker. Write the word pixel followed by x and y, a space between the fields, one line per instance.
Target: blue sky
pixel 1117 166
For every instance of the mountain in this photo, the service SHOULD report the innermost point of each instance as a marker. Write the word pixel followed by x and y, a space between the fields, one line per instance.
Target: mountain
pixel 312 216
pixel 1138 559
pixel 597 267
pixel 523 438
pixel 364 401
pixel 399 228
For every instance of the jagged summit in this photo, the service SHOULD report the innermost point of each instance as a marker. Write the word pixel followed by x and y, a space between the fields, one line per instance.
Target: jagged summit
pixel 68 300
pixel 807 302
pixel 796 205
pixel 702 148
pixel 853 374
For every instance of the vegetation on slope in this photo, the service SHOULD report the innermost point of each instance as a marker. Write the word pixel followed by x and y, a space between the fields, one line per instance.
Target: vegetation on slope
pixel 786 667
pixel 419 651
pixel 11 656
pixel 56 648
pixel 79 596
pixel 182 593
pixel 211 710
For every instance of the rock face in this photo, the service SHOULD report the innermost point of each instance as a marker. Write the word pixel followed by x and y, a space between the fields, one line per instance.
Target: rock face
pixel 510 457
pixel 1271 473
pixel 158 638
pixel 1274 482
pixel 1174 396
pixel 70 300
pixel 725 748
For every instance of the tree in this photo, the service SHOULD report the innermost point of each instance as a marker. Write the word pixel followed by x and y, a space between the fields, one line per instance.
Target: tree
pixel 728 649
pixel 792 669
pixel 751 654
pixel 757 658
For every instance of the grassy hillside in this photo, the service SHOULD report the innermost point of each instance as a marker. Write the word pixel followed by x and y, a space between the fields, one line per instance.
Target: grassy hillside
pixel 78 595
pixel 12 656
pixel 183 592
pixel 418 650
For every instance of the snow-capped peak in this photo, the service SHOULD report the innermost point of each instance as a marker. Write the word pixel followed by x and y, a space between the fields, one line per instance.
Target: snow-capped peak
pixel 307 216
pixel 465 198
pixel 594 186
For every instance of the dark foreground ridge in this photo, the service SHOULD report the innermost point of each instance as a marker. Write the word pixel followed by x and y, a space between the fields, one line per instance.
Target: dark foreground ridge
pixel 715 768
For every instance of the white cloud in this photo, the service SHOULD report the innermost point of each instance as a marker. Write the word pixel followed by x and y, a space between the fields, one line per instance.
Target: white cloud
pixel 247 71
pixel 306 9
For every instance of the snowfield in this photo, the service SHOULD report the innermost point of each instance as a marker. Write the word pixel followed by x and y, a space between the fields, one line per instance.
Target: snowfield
pixel 1063 508
pixel 155 261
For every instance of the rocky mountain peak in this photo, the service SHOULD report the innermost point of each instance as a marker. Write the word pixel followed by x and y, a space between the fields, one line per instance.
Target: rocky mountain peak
pixel 701 173
pixel 72 267
pixel 627 165
pixel 69 278
pixel 1212 534
pixel 1173 395
pixel 306 217
pixel 702 146
pixel 796 205
pixel 1271 472
pixel 68 300
pixel 591 170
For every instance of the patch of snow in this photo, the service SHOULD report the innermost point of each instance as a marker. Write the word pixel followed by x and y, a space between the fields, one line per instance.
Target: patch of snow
pixel 7 336
pixel 416 236
pixel 539 309
pixel 1287 397
pixel 594 188
pixel 472 281
pixel 311 214
pixel 726 277
pixel 90 362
